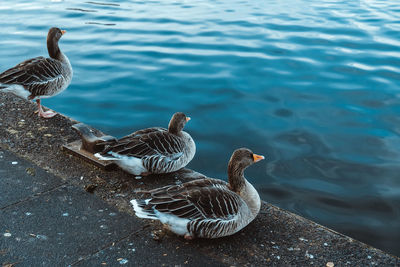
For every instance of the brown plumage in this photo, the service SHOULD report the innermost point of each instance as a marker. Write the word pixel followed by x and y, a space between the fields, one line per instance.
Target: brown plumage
pixel 152 150
pixel 40 77
pixel 207 208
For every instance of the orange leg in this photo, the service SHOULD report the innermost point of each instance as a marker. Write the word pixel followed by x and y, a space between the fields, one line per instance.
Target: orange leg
pixel 188 237
pixel 44 114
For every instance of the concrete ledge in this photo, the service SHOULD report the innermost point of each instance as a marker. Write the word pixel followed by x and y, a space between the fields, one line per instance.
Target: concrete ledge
pixel 275 237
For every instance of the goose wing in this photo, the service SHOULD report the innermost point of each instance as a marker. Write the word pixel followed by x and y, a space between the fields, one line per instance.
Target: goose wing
pixel 146 143
pixel 37 75
pixel 197 200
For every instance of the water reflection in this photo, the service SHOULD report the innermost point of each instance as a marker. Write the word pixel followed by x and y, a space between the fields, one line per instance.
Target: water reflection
pixel 313 86
pixel 80 9
pixel 102 4
pixel 98 23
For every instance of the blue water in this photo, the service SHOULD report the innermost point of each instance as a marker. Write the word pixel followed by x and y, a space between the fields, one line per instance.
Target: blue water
pixel 312 85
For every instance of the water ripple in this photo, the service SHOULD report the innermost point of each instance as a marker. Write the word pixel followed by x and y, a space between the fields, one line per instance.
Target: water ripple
pixel 313 85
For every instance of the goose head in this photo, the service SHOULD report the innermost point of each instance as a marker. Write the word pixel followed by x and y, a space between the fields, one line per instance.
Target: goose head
pixel 53 37
pixel 240 160
pixel 177 122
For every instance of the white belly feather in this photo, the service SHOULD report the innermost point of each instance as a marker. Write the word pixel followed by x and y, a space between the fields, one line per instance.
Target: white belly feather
pixel 130 164
pixel 16 89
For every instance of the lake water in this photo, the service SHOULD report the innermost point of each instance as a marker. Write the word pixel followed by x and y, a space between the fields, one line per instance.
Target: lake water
pixel 312 85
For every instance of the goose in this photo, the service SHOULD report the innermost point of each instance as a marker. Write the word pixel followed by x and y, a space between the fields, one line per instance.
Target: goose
pixel 152 150
pixel 205 208
pixel 40 77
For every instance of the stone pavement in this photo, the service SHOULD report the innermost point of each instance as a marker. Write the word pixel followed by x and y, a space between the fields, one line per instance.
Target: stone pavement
pixel 48 222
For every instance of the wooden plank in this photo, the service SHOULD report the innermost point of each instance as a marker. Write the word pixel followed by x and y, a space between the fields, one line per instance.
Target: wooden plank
pixel 74 148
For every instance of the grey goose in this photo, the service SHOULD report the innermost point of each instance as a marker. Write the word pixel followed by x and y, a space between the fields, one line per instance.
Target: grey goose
pixel 40 77
pixel 205 208
pixel 152 150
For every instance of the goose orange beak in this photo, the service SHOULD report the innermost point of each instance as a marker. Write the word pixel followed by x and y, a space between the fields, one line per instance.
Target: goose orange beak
pixel 63 32
pixel 257 157
pixel 188 119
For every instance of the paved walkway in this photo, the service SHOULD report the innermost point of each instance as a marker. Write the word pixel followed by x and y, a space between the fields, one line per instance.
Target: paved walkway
pixel 48 222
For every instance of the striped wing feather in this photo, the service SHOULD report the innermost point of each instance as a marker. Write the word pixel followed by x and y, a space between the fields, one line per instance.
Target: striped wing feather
pixel 146 143
pixel 36 75
pixel 199 199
